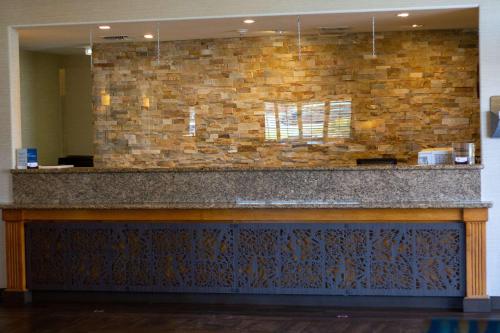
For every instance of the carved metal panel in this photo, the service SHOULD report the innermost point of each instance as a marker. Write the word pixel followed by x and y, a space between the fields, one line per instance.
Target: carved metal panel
pixel 213 257
pixel 173 249
pixel 285 258
pixel 346 254
pixel 258 259
pixel 46 255
pixel 86 257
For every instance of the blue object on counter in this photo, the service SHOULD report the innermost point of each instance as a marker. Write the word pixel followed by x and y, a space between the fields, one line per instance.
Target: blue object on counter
pixel 32 158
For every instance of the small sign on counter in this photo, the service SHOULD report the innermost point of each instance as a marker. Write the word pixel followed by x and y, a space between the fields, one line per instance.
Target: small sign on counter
pixel 26 158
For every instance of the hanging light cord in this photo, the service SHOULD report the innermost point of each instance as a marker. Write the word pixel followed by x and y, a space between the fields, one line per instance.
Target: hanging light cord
pixel 91 42
pixel 299 41
pixel 158 44
pixel 373 37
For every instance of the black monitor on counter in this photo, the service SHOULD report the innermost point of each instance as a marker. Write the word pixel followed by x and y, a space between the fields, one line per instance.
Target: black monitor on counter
pixel 376 161
pixel 77 160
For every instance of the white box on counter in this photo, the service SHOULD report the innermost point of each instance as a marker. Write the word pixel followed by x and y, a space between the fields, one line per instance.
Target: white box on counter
pixel 435 156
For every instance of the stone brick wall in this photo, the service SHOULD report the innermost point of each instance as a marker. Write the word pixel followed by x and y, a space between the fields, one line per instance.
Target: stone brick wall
pixel 252 101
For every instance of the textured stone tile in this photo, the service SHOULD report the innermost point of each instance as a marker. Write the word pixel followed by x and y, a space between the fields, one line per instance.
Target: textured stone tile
pixel 419 92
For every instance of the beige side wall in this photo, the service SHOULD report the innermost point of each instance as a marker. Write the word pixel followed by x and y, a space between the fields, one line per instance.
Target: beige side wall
pixel 28 12
pixel 41 115
pixel 56 116
pixel 77 106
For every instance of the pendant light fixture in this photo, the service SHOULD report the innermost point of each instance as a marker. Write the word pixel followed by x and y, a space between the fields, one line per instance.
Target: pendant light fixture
pixel 299 37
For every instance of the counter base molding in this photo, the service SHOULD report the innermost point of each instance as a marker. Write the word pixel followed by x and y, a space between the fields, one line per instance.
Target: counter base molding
pixel 384 252
pixel 477 304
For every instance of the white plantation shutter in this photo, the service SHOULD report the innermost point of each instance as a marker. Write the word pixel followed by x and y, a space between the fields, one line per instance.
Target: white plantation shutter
pixel 339 120
pixel 288 121
pixel 192 121
pixel 270 122
pixel 313 120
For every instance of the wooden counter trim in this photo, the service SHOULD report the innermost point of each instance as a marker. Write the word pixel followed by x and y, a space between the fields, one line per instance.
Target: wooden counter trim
pixel 474 218
pixel 475 247
pixel 15 250
pixel 248 214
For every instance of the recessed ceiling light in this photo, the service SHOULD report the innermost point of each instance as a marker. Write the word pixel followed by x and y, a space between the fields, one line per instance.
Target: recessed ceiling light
pixel 148 36
pixel 417 25
pixel 249 21
pixel 104 27
pixel 403 14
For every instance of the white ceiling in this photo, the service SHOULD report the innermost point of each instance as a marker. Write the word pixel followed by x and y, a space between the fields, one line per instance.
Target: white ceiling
pixel 70 39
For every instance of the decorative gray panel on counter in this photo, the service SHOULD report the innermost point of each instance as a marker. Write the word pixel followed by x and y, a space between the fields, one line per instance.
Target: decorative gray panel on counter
pixel 344 185
pixel 255 258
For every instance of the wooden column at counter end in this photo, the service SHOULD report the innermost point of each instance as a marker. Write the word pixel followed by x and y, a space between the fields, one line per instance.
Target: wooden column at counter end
pixel 16 291
pixel 477 299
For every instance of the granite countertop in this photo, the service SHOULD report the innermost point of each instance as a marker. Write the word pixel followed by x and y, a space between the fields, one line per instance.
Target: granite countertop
pixel 256 204
pixel 249 168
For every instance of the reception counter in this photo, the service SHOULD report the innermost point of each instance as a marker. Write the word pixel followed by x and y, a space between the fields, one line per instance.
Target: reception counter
pixel 350 231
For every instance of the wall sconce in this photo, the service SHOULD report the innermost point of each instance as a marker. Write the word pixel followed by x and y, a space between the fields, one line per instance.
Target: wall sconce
pixel 105 100
pixel 145 102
